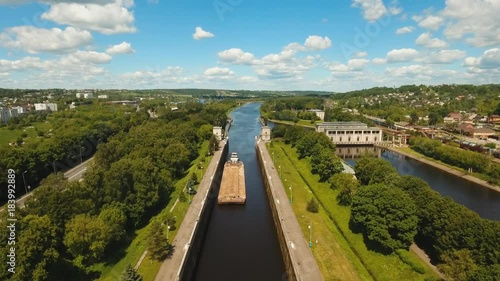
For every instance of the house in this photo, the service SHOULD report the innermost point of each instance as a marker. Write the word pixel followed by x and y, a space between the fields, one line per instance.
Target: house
pixel 457 116
pixel 482 133
pixel 465 128
pixel 493 119
pixel 350 133
pixel 319 113
pixel 46 106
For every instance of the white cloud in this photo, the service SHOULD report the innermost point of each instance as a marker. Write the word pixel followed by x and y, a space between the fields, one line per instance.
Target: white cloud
pixel 154 76
pixel 379 60
pixel 401 55
pixel 284 66
pixel 360 54
pixel 110 18
pixel 34 40
pixel 442 57
pixel 236 56
pixel 27 63
pixel 426 40
pixel 17 2
pixel 405 29
pixel 122 48
pixel 351 66
pixel 418 72
pixel 199 33
pixel 489 60
pixel 90 56
pixel 218 71
pixel 317 42
pixel 431 22
pixel 477 18
pixel 395 10
pixel 372 9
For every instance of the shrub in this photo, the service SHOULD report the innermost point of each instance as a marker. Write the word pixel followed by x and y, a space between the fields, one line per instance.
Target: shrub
pixel 312 206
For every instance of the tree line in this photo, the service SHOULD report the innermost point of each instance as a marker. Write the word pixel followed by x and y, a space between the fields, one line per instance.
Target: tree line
pixel 316 147
pixel 392 211
pixel 455 156
pixel 67 227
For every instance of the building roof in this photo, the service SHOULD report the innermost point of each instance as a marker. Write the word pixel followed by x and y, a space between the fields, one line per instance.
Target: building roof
pixel 484 131
pixel 351 125
pixel 455 115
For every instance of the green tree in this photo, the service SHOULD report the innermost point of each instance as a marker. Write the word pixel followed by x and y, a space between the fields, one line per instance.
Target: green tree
pixel 312 206
pixel 116 219
pixel 458 265
pixel 37 249
pixel 385 216
pixel 158 245
pixel 130 274
pixel 205 131
pixel 87 238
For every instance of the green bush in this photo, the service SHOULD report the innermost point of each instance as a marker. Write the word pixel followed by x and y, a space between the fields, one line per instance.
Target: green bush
pixel 312 206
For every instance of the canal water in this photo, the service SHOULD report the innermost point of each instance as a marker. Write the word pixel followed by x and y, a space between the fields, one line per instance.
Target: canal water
pixel 241 241
pixel 484 201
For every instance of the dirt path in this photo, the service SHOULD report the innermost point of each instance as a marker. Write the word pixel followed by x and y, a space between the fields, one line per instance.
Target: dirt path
pixel 423 256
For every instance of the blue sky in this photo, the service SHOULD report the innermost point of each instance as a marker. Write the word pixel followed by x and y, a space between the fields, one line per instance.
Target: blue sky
pixel 248 44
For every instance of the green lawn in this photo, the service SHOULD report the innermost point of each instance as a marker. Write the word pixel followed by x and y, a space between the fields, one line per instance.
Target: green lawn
pixel 7 135
pixel 335 258
pixel 368 264
pixel 149 268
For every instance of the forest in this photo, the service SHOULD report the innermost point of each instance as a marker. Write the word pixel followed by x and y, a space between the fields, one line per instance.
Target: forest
pixel 67 227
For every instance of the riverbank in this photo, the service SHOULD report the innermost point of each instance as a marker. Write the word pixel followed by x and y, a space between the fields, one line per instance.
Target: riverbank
pixel 432 162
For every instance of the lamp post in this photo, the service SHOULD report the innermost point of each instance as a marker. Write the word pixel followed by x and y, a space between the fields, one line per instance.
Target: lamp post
pixel 273 156
pixel 24 180
pixel 310 235
pixel 280 170
pixel 291 194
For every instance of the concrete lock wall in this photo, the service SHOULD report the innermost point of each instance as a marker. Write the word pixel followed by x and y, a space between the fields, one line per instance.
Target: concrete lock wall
pixel 187 271
pixel 290 273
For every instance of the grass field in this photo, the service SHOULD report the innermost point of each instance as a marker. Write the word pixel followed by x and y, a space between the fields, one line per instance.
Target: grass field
pixel 346 252
pixel 7 135
pixel 149 268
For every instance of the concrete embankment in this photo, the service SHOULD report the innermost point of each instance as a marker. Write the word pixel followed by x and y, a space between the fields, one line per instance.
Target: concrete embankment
pixel 444 168
pixel 297 256
pixel 189 239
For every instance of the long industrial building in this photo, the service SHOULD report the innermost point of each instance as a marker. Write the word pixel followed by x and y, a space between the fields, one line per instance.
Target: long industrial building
pixel 350 133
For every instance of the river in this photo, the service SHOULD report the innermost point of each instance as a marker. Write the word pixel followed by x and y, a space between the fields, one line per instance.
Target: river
pixel 482 200
pixel 241 241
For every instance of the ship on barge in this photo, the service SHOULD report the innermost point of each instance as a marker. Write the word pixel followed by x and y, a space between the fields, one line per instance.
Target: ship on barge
pixel 232 188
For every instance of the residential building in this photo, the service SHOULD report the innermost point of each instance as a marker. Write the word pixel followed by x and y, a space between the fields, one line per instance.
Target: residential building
pixel 319 113
pixel 350 133
pixel 494 118
pixel 46 106
pixel 88 96
pixel 102 96
pixel 482 133
pixel 456 116
pixel 7 113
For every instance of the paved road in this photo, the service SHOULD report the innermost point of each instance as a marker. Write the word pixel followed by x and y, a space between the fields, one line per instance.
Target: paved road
pixel 170 268
pixel 305 266
pixel 75 173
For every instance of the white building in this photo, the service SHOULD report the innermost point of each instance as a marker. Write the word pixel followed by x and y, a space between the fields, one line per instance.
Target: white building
pixel 217 131
pixel 46 106
pixel 79 95
pixel 319 113
pixel 7 113
pixel 265 134
pixel 102 96
pixel 350 133
pixel 88 96
pixel 20 109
